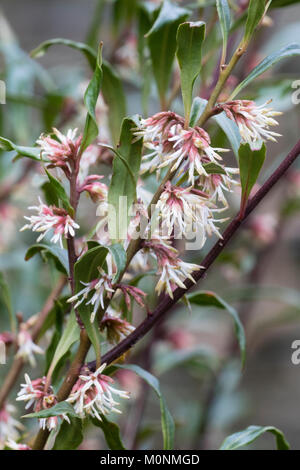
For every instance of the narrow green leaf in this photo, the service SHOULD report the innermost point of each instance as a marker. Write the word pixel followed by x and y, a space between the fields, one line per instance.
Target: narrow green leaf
pixel 250 163
pixel 162 43
pixel 256 11
pixel 190 37
pixel 113 94
pixel 283 3
pixel 231 130
pixel 119 255
pixel 59 255
pixel 80 46
pixel 245 437
pixel 70 435
pixel 60 192
pixel 225 23
pixel 167 421
pixel 90 100
pixel 210 299
pixel 29 152
pixel 198 107
pixel 111 432
pixel 60 408
pixel 214 169
pixel 122 190
pixel 5 297
pixel 272 59
pixel 70 335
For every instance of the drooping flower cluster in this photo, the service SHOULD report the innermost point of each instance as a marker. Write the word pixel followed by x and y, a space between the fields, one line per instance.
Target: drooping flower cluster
pixel 116 328
pixel 99 287
pixel 92 394
pixel 173 271
pixel 33 392
pixel 253 121
pixel 50 218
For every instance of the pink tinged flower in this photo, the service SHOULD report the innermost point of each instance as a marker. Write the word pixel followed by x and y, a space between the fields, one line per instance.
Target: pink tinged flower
pixel 27 348
pixel 31 391
pixel 217 185
pixel 173 271
pixel 93 394
pixel 116 327
pixel 134 292
pixel 97 191
pixel 51 218
pixel 9 427
pixel 98 289
pixel 11 444
pixel 191 150
pixel 253 121
pixel 62 151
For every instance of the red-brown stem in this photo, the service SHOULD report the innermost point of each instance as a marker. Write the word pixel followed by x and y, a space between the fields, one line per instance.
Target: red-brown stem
pixel 230 231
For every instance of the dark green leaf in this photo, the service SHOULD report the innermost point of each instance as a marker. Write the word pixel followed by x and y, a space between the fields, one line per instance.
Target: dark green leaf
pixel 70 435
pixel 214 169
pixel 243 438
pixel 256 11
pixel 190 37
pixel 90 100
pixel 111 432
pixel 162 44
pixel 225 22
pixel 198 107
pixel 286 52
pixel 210 299
pixel 250 163
pixel 60 408
pixel 114 96
pixel 122 190
pixel 59 255
pixel 167 422
pixel 70 335
pixel 283 3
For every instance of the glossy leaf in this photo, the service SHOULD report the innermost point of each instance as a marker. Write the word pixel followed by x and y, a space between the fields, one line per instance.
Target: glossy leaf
pixel 225 22
pixel 198 107
pixel 70 435
pixel 162 43
pixel 122 189
pixel 167 422
pixel 256 11
pixel 29 152
pixel 59 255
pixel 80 46
pixel 113 94
pixel 90 100
pixel 111 433
pixel 70 335
pixel 210 299
pixel 60 408
pixel 5 298
pixel 190 37
pixel 271 60
pixel 250 163
pixel 244 438
pixel 119 255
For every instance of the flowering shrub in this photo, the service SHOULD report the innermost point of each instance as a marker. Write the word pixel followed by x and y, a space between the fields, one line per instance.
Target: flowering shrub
pixel 162 187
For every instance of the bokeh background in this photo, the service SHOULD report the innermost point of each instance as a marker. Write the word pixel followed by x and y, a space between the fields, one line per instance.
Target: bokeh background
pixel 194 355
